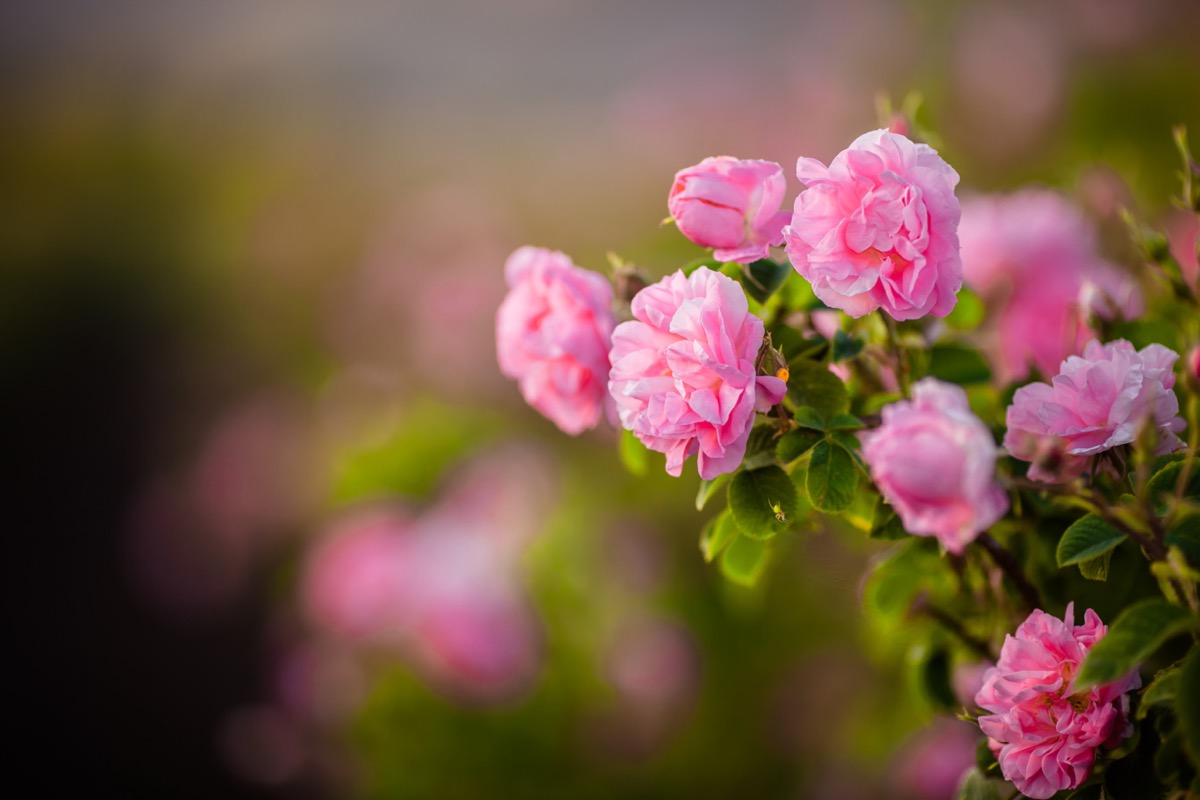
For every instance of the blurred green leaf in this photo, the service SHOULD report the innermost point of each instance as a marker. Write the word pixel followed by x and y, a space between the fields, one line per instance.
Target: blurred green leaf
pixel 745 559
pixel 1161 690
pixel 704 261
pixel 1187 703
pixel 763 278
pixel 812 384
pixel 1165 480
pixel 763 501
pixel 794 444
pixel 634 455
pixel 886 524
pixel 1185 534
pixel 958 364
pixel 832 478
pixel 807 417
pixel 968 311
pixel 1134 636
pixel 717 535
pixel 708 488
pixel 1096 569
pixel 975 786
pixel 845 346
pixel 1089 537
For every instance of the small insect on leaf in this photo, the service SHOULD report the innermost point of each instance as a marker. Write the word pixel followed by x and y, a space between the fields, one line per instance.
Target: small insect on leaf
pixel 778 511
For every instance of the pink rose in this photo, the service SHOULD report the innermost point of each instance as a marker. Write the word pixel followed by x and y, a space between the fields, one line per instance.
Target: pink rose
pixel 876 229
pixel 1033 256
pixel 1095 403
pixel 730 205
pixel 683 374
pixel 1043 732
pixel 552 336
pixel 934 461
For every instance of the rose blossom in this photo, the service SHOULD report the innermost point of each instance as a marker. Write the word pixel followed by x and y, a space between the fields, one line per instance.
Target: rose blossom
pixel 877 228
pixel 1033 256
pixel 730 205
pixel 1095 403
pixel 1044 733
pixel 552 336
pixel 683 373
pixel 934 461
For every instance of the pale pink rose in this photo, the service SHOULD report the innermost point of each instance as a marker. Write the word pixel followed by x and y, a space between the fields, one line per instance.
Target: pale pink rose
pixel 552 336
pixel 730 205
pixel 934 461
pixel 683 374
pixel 1095 403
pixel 877 228
pixel 1044 733
pixel 1183 239
pixel 1032 256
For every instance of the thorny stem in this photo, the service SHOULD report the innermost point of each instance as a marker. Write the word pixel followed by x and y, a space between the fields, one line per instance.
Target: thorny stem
pixel 921 605
pixel 898 354
pixel 1009 566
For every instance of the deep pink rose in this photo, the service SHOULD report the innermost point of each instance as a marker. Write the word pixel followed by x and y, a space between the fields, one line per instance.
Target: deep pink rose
pixel 683 373
pixel 730 205
pixel 1043 732
pixel 552 336
pixel 1095 403
pixel 1032 256
pixel 877 228
pixel 934 461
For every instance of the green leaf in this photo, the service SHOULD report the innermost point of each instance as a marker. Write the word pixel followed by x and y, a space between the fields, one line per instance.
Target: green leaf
pixel 1185 534
pixel 745 560
pixel 634 454
pixel 845 422
pixel 708 488
pixel 810 383
pixel 794 444
pixel 704 261
pixel 1087 538
pixel 886 524
pixel 832 478
pixel 968 311
pixel 1161 690
pixel 957 364
pixel 975 786
pixel 1187 703
pixel 763 501
pixel 762 278
pixel 1164 481
pixel 1132 638
pixel 846 347
pixel 1096 569
pixel 760 448
pixel 717 535
pixel 807 417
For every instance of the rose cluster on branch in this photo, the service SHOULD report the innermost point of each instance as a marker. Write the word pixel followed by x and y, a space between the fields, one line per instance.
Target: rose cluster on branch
pixel 812 409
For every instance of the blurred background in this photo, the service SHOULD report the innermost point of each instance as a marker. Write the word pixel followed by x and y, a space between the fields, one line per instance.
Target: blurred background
pixel 275 526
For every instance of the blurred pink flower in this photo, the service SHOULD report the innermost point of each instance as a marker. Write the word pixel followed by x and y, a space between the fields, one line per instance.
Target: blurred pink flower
pixel 1033 255
pixel 730 205
pixel 934 461
pixel 1045 734
pixel 1095 403
pixel 684 377
pixel 552 336
pixel 876 228
pixel 930 765
pixel 1183 239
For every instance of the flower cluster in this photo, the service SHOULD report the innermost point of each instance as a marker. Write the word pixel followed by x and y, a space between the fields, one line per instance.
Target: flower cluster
pixel 1045 733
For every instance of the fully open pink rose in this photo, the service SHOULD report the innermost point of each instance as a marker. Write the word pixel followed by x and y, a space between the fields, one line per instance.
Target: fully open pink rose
pixel 934 461
pixel 877 228
pixel 683 373
pixel 730 205
pixel 1032 256
pixel 1095 403
pixel 552 336
pixel 1044 733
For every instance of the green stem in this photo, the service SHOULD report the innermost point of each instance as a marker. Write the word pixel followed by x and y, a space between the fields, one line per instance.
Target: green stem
pixel 898 354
